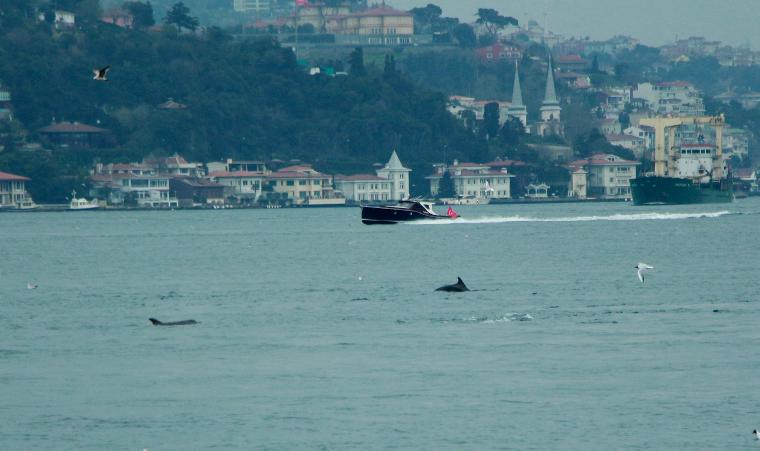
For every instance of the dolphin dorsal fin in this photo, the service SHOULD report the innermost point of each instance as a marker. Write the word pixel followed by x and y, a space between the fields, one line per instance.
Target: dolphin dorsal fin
pixel 459 280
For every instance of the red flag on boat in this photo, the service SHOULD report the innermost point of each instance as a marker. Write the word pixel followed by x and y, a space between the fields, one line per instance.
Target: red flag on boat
pixel 452 214
pixel 301 2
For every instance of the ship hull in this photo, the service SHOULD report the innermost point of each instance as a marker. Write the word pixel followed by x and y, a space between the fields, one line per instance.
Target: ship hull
pixel 678 191
pixel 393 215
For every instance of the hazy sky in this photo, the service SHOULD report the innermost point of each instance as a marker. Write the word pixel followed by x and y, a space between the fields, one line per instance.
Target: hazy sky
pixel 655 22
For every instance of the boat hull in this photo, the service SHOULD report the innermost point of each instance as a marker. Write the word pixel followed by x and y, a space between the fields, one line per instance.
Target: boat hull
pixel 392 215
pixel 679 191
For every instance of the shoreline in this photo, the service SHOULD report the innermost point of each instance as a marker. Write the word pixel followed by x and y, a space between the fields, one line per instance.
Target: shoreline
pixel 59 208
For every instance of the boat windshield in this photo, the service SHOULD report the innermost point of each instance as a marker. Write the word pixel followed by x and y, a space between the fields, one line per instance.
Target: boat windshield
pixel 418 206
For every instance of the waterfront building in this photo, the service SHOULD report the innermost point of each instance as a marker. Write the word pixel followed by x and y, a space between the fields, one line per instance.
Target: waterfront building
pixel 13 191
pixel 473 180
pixel 302 185
pixel 609 176
pixel 191 192
pixel 537 191
pixel 244 186
pixel 398 175
pixel 231 165
pixel 363 187
pixel 149 191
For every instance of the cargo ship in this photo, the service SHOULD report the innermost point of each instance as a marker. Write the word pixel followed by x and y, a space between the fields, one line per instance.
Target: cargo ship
pixel 688 173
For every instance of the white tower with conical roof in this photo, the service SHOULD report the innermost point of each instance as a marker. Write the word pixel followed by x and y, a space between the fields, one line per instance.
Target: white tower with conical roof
pixel 550 109
pixel 517 109
pixel 398 175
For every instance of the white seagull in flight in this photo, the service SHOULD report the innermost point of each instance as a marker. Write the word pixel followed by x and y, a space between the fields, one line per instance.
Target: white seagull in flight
pixel 30 286
pixel 641 267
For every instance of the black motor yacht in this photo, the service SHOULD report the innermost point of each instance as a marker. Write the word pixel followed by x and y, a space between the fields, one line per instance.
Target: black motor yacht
pixel 405 210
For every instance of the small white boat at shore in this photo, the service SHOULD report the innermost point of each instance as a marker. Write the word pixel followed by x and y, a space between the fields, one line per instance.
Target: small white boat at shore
pixel 82 203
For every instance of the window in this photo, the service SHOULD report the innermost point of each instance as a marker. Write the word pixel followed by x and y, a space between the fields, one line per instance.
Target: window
pixel 291 183
pixel 612 179
pixel 302 194
pixel 317 182
pixel 302 182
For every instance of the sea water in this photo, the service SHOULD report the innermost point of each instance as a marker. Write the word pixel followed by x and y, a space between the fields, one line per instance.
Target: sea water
pixel 318 332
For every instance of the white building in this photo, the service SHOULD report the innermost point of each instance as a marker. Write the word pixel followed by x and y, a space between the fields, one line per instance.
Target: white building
pixel 578 183
pixel 242 185
pixel 13 191
pixel 251 6
pixel 473 180
pixel 148 190
pixel 609 176
pixel 671 98
pixel 363 187
pixel 398 175
pixel 63 19
pixel 645 133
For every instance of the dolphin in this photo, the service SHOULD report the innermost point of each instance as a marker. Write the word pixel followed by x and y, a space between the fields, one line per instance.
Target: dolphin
pixel 457 287
pixel 186 322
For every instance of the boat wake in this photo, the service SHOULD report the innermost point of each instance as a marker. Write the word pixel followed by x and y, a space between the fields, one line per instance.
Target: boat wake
pixel 486 320
pixel 615 217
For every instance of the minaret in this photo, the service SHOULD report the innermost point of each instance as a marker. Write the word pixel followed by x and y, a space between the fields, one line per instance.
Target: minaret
pixel 517 109
pixel 550 109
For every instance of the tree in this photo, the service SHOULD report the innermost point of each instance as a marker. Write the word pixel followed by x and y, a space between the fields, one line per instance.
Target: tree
pixel 142 14
pixel 491 119
pixel 389 70
pixel 179 15
pixel 356 62
pixel 595 64
pixel 493 21
pixel 424 18
pixel 446 186
pixel 512 131
pixel 465 36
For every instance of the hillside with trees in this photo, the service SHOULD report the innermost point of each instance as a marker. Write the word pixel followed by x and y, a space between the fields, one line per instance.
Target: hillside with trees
pixel 243 98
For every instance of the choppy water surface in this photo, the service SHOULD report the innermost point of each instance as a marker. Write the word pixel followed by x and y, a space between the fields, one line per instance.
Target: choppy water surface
pixel 319 332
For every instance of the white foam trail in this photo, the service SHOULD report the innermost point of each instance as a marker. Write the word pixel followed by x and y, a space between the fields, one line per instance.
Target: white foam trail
pixel 615 217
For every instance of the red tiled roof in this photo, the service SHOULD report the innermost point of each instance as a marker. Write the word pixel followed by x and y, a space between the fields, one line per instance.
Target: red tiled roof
pixel 71 127
pixel 296 175
pixel 381 11
pixel 297 168
pixel 468 165
pixel 175 160
pixel 674 84
pixel 600 159
pixel 505 163
pixel 198 183
pixel 129 166
pixel 6 177
pixel 566 59
pixel 238 174
pixel 468 173
pixel 359 178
